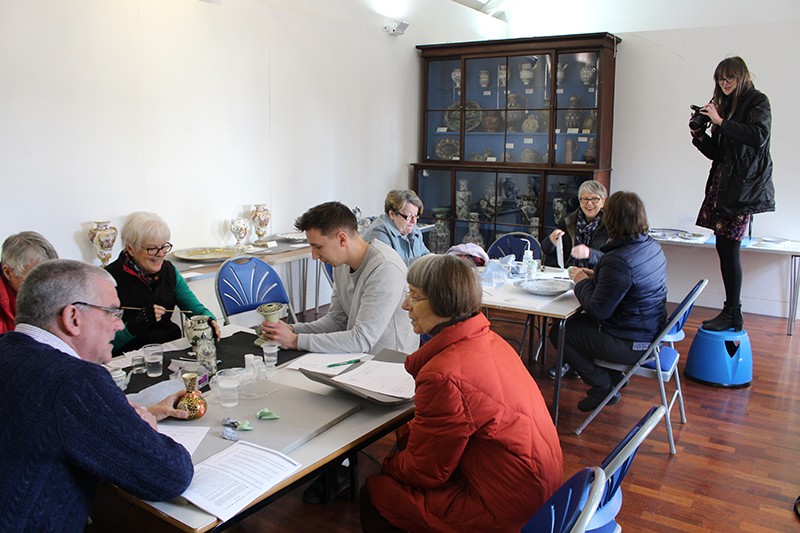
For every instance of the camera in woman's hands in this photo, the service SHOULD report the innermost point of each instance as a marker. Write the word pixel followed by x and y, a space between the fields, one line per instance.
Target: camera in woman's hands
pixel 699 121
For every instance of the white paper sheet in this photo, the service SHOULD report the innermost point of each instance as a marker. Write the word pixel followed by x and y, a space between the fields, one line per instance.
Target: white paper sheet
pixel 560 251
pixel 378 376
pixel 189 437
pixel 228 482
pixel 318 362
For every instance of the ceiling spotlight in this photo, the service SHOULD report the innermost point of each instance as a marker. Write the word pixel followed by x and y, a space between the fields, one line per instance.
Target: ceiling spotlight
pixel 397 27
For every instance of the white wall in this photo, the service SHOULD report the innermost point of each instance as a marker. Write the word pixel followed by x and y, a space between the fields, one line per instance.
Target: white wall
pixel 665 62
pixel 198 109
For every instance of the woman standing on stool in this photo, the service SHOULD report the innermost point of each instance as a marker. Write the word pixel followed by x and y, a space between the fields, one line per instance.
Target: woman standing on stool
pixel 740 182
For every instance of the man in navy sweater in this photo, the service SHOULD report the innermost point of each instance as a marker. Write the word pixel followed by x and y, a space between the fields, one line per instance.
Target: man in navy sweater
pixel 64 425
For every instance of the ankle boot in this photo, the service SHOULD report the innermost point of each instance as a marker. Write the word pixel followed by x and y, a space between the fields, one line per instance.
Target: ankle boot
pixel 730 317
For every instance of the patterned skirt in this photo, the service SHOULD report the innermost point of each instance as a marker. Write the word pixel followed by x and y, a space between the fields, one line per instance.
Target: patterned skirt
pixel 731 227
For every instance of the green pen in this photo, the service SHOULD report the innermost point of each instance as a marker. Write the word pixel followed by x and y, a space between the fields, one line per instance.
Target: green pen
pixel 350 362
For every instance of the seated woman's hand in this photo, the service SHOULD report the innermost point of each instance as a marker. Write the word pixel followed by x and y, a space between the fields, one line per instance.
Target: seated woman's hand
pixel 215 327
pixel 555 235
pixel 281 333
pixel 581 274
pixel 158 311
pixel 580 251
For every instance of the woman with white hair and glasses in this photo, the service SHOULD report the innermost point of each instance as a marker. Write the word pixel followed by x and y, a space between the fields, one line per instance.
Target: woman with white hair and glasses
pixel 152 285
pixel 21 252
pixel 397 227
pixel 584 236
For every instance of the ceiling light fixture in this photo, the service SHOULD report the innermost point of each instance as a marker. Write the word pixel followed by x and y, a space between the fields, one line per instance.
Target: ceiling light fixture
pixel 397 27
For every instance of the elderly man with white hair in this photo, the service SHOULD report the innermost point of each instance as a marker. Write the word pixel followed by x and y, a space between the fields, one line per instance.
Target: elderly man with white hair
pixel 151 284
pixel 21 252
pixel 65 425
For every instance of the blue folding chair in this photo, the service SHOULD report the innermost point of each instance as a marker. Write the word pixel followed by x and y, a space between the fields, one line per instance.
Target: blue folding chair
pixel 615 466
pixel 245 282
pixel 571 507
pixel 515 243
pixel 658 362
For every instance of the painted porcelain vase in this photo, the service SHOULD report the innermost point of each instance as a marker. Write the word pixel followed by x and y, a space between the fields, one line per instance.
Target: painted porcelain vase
pixel 440 235
pixel 260 216
pixel 573 116
pixel 560 71
pixel 207 355
pixel 488 201
pixel 473 235
pixel 587 73
pixel 192 402
pixel 483 78
pixel 463 199
pixel 239 227
pixel 197 327
pixel 103 236
pixel 526 73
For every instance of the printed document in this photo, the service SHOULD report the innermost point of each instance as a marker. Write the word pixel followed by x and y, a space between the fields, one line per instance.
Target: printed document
pixel 228 482
pixel 318 362
pixel 390 379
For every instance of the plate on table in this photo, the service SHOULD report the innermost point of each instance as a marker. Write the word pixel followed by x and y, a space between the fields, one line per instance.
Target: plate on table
pixel 292 237
pixel 545 287
pixel 206 254
pixel 689 236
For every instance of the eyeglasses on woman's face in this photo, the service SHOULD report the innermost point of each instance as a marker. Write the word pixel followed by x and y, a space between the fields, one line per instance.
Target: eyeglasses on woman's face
pixel 726 79
pixel 411 299
pixel 155 250
pixel 408 217
pixel 594 200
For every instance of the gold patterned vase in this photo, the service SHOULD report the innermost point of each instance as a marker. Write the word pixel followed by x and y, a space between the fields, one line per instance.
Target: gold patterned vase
pixel 260 216
pixel 192 402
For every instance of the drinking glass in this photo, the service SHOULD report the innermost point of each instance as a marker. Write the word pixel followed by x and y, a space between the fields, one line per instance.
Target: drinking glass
pixel 153 360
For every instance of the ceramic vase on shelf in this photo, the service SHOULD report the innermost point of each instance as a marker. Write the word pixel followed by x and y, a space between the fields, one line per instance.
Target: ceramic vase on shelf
pixel 502 75
pixel 463 199
pixel 573 116
pixel 590 154
pixel 490 121
pixel 103 236
pixel 473 235
pixel 456 77
pixel 488 201
pixel 515 114
pixel 260 217
pixel 526 73
pixel 560 70
pixel 587 73
pixel 572 147
pixel 528 205
pixel 483 78
pixel 590 124
pixel 440 235
pixel 192 402
pixel 239 227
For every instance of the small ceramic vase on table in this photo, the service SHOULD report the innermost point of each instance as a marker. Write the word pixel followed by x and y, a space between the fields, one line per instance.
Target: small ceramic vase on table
pixel 192 402
pixel 239 227
pixel 260 216
pixel 207 355
pixel 103 236
pixel 197 328
pixel 271 312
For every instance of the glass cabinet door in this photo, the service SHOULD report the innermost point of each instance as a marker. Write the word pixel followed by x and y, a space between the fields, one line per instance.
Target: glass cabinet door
pixel 444 113
pixel 576 108
pixel 433 188
pixel 562 198
pixel 485 86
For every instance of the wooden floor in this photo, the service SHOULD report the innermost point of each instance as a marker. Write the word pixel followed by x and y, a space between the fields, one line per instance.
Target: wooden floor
pixel 736 467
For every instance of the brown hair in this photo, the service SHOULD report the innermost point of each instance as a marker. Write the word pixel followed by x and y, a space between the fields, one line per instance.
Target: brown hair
pixel 396 199
pixel 329 219
pixel 624 216
pixel 728 67
pixel 449 282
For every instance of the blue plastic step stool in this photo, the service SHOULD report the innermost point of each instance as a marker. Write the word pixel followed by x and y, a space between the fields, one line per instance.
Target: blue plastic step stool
pixel 720 359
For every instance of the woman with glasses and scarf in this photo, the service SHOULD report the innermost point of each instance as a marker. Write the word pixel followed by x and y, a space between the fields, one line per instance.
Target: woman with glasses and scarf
pixel 146 281
pixel 740 182
pixel 585 235
pixel 397 227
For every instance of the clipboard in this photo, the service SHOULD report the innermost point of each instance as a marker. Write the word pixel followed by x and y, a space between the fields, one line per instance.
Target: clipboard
pixel 386 355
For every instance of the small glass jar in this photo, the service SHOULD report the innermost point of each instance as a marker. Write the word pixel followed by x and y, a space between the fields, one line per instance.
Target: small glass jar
pixel 207 355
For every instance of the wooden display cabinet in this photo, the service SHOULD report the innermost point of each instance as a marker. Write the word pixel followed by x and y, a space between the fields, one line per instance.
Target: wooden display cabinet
pixel 491 112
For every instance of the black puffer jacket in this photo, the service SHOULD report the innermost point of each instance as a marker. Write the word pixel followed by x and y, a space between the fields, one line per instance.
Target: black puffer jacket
pixel 740 145
pixel 628 293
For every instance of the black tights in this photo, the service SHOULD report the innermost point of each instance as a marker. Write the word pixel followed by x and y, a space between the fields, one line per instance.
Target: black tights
pixel 730 263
